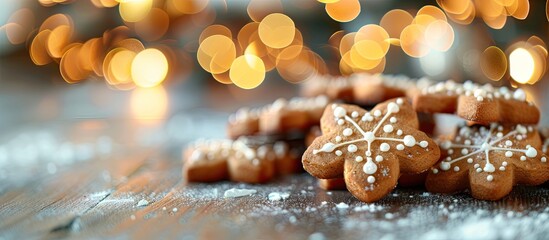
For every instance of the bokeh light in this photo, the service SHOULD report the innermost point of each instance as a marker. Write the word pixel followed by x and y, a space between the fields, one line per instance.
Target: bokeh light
pixel 247 71
pixel 149 105
pixel 276 30
pixel 216 54
pixel 343 10
pixel 521 65
pixel 149 68
pixel 134 10
pixel 493 63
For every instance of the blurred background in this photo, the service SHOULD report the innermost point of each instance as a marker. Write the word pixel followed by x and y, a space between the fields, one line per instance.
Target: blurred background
pixel 83 79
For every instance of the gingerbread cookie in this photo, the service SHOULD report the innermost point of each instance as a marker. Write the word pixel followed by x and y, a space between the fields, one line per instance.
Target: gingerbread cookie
pixel 251 164
pixel 370 149
pixel 298 114
pixel 545 134
pixel 482 104
pixel 206 160
pixel 489 161
pixel 332 184
pixel 244 122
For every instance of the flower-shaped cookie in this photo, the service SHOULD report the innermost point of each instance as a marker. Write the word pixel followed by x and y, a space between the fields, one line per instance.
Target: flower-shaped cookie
pixel 370 149
pixel 489 161
pixel 473 102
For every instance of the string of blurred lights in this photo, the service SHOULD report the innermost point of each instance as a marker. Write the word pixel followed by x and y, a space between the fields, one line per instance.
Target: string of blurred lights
pixel 143 53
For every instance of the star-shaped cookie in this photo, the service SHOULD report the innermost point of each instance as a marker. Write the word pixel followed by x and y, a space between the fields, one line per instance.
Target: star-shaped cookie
pixel 489 161
pixel 370 149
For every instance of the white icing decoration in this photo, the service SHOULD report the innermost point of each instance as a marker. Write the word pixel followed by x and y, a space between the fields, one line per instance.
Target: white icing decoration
pixel 400 147
pixel 369 135
pixel 400 101
pixel 354 114
pixel 369 167
pixel 384 147
pixel 371 179
pixel 543 159
pixel 490 141
pixel 339 112
pixel 379 158
pixel 489 178
pixel 456 168
pixel 352 148
pixel 347 132
pixel 435 171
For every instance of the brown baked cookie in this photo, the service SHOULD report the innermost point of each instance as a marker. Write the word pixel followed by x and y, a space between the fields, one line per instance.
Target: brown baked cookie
pixel 370 90
pixel 298 114
pixel 313 133
pixel 370 149
pixel 251 164
pixel 482 104
pixel 545 135
pixel 489 161
pixel 206 160
pixel 412 179
pixel 244 122
pixel 287 158
pixel 332 184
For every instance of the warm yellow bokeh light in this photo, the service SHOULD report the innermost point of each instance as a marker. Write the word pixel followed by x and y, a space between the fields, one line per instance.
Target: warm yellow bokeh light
pixel 412 41
pixel 521 65
pixel 439 35
pixel 149 105
pixel 328 1
pixel 276 30
pixel 343 10
pixel 395 21
pixel 59 38
pixel 38 52
pixel 247 71
pixel 121 66
pixel 377 41
pixel 218 51
pixel 493 63
pixel 149 68
pixel 134 10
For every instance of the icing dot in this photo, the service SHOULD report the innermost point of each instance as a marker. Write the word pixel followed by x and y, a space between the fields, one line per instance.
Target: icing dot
pixel 400 147
pixel 519 94
pixel 339 152
pixel 369 136
pixel 451 151
pixel 371 179
pixel 352 148
pixel 400 101
pixel 445 166
pixel 508 154
pixel 393 120
pixel 340 112
pixel 354 114
pixel 399 132
pixel 502 168
pixel 467 142
pixel 469 160
pixel 479 170
pixel 359 159
pixel 393 108
pixel 490 178
pixel 369 167
pixel 456 169
pixel 328 147
pixel 531 152
pixel 384 147
pixel 519 137
pixel 521 129
pixel 377 113
pixel 435 171
pixel 476 165
pixel 446 145
pixel 504 163
pixel 409 141
pixel 523 158
pixel 423 144
pixel 338 138
pixel 379 158
pixel 388 128
pixel 499 135
pixel 489 167
pixel 508 143
pixel 464 151
pixel 368 153
pixel 340 122
pixel 347 132
pixel 480 98
pixel 543 159
pixel 367 117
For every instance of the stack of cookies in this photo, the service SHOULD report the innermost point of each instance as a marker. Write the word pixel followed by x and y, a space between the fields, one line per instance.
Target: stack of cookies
pixel 369 133
pixel 498 147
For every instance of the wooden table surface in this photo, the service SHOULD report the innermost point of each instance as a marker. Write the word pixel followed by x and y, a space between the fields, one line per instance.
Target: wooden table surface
pixel 99 195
